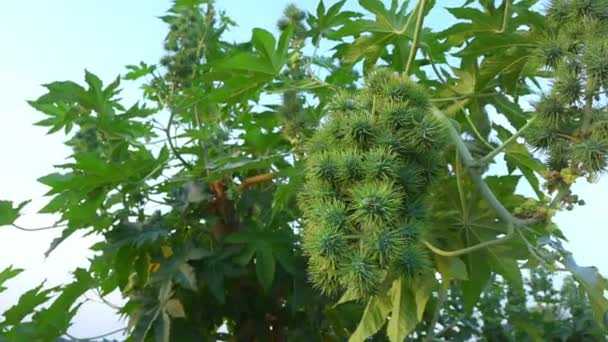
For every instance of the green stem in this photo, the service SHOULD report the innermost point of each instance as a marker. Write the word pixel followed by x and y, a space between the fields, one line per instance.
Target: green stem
pixel 476 131
pixel 470 163
pixel 505 16
pixel 430 335
pixel 417 32
pixel 490 156
pixel 473 248
pixel 38 229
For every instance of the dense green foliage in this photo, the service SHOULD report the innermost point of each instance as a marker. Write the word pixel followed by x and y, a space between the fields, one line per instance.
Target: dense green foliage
pixel 354 202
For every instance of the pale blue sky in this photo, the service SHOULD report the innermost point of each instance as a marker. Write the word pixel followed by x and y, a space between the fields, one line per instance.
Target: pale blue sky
pixel 43 41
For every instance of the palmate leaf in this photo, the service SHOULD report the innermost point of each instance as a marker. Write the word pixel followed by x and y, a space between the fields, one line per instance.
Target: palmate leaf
pixel 463 219
pixel 8 213
pixel 324 23
pixel 392 26
pixel 7 274
pixel 27 303
pixel 245 73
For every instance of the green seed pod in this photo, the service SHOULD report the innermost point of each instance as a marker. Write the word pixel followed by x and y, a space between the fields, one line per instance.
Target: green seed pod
pixel 375 203
pixel 324 275
pixel 381 163
pixel 361 275
pixel 406 91
pixel 345 103
pixel 377 80
pixel 360 130
pixel 591 155
pixel 558 12
pixel 324 167
pixel 411 178
pixel 426 135
pixel 384 246
pixel 553 109
pixel 325 242
pixel 568 86
pixel 350 166
pixel 410 232
pixel 551 51
pixel 413 262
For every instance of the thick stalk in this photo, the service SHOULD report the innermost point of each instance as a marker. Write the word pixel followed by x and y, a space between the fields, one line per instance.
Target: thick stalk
pixel 471 164
pixel 417 32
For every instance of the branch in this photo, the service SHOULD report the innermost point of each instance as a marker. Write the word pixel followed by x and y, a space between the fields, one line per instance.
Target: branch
pixel 96 337
pixel 167 131
pixel 470 163
pixel 266 177
pixel 204 151
pixel 473 248
pixel 38 229
pixel 490 156
pixel 417 31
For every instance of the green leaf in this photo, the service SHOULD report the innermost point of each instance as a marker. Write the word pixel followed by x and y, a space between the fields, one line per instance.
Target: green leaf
pixel 404 315
pixel 8 213
pixel 55 320
pixel 373 318
pixel 7 274
pixel 265 267
pixel 27 303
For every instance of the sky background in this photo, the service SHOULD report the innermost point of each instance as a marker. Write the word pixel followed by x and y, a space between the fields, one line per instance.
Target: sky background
pixel 45 41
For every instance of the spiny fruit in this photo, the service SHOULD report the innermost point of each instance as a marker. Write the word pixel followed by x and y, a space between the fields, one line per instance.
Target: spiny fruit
pixel 571 127
pixel 368 167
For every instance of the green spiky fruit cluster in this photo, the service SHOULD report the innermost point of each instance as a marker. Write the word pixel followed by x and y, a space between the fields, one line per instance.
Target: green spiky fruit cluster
pixel 368 168
pixel 572 129
pixel 185 42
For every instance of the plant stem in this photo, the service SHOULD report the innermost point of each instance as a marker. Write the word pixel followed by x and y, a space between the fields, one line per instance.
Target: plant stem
pixel 417 32
pixel 476 131
pixel 201 142
pixel 470 163
pixel 505 16
pixel 490 156
pixel 473 248
pixel 430 335
pixel 38 229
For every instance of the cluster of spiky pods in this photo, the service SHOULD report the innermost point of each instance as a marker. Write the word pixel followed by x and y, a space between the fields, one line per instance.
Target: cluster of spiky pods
pixel 572 127
pixel 368 169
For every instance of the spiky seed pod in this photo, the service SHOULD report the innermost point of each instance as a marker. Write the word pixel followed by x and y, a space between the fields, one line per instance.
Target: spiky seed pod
pixel 551 51
pixel 375 203
pixel 540 135
pixel 324 167
pixel 413 261
pixel 345 103
pixel 397 115
pixel 384 246
pixel 591 155
pixel 595 59
pixel 392 141
pixel 589 9
pixel 381 163
pixel 361 275
pixel 426 135
pixel 407 91
pixel 415 210
pixel 568 86
pixel 324 275
pixel 314 191
pixel 558 12
pixel 559 155
pixel 333 215
pixel 326 242
pixel 376 81
pixel 350 166
pixel 553 109
pixel 410 232
pixel 411 178
pixel 360 130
